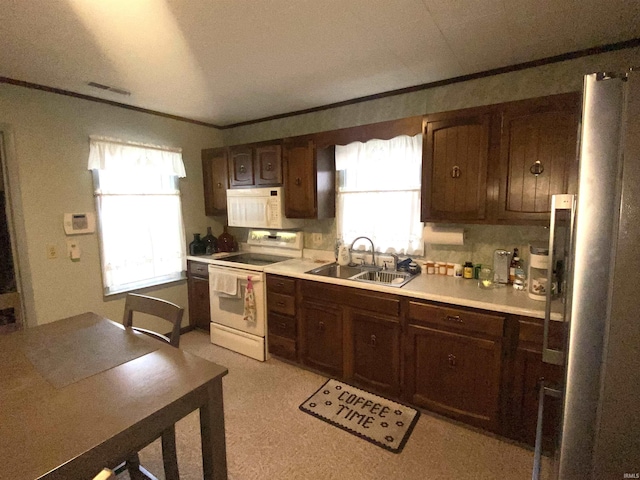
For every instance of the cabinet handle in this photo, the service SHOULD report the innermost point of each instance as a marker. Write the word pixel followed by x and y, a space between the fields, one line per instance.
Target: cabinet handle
pixel 283 326
pixel 373 341
pixel 456 172
pixel 269 167
pixel 537 168
pixel 280 304
pixel 298 181
pixel 452 360
pixel 219 184
pixel 321 326
pixel 242 169
pixel 453 318
pixel 280 284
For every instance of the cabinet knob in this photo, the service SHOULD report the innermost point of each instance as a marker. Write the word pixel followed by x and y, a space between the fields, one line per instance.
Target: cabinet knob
pixel 453 318
pixel 456 172
pixel 373 341
pixel 321 326
pixel 219 185
pixel 537 168
pixel 269 167
pixel 280 304
pixel 242 169
pixel 452 360
pixel 298 181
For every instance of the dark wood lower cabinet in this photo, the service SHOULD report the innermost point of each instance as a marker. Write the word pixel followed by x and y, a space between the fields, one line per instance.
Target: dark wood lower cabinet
pixel 321 346
pixel 374 351
pixel 198 291
pixel 454 374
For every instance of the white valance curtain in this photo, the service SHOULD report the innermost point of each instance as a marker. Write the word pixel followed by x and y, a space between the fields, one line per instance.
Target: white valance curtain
pixel 378 193
pixel 140 213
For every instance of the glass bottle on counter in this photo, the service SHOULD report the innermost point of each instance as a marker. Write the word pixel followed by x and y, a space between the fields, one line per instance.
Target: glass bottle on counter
pixel 210 242
pixel 515 264
pixel 226 242
pixel 197 247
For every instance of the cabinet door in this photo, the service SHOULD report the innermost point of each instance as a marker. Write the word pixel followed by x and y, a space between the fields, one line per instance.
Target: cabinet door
pixel 268 165
pixel 538 155
pixel 453 374
pixel 241 166
pixel 375 351
pixel 454 166
pixel 300 180
pixel 321 338
pixel 216 181
pixel 199 307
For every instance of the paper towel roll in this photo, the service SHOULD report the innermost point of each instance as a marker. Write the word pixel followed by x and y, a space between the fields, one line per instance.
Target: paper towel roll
pixel 443 235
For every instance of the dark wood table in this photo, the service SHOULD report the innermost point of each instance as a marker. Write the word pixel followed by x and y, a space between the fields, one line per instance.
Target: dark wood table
pixel 71 432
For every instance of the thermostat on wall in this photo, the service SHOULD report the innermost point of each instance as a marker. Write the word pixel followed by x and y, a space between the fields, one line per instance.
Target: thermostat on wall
pixel 78 223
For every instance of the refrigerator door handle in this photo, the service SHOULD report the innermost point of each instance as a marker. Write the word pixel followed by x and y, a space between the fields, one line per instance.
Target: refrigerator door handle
pixel 545 390
pixel 558 202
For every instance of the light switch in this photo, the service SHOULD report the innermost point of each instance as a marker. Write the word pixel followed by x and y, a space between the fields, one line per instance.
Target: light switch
pixel 73 249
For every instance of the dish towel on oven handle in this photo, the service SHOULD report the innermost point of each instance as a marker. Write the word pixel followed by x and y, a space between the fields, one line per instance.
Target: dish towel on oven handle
pixel 249 302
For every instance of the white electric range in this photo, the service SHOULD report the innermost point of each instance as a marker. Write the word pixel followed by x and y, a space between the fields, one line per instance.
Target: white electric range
pixel 229 328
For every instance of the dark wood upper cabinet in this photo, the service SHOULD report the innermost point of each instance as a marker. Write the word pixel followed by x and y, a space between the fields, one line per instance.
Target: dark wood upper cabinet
pixel 268 165
pixel 216 181
pixel 309 180
pixel 455 154
pixel 538 155
pixel 241 166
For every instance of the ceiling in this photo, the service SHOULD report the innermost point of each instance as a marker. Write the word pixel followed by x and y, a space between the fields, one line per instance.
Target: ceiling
pixel 225 62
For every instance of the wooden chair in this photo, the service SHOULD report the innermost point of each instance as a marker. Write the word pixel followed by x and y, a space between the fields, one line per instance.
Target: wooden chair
pixel 158 308
pixel 172 313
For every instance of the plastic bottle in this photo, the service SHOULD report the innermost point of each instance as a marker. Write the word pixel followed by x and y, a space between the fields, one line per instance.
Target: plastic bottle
pixel 467 271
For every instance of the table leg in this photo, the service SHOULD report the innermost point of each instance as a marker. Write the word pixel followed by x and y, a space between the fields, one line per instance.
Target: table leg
pixel 169 454
pixel 214 451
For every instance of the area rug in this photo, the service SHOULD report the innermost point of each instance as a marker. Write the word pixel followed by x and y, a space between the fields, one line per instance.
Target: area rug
pixel 373 418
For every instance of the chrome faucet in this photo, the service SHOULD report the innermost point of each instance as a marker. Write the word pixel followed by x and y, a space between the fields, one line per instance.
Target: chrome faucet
pixel 373 249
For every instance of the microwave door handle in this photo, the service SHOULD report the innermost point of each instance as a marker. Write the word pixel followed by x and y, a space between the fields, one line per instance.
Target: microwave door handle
pixel 558 202
pixel 545 390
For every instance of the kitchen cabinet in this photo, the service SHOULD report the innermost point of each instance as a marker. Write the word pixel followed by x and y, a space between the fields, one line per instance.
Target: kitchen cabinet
pixel 255 165
pixel 374 351
pixel 454 362
pixel 198 293
pixel 500 163
pixel 281 320
pixel 538 155
pixel 455 155
pixel 523 383
pixel 241 166
pixel 309 180
pixel 215 179
pixel 321 336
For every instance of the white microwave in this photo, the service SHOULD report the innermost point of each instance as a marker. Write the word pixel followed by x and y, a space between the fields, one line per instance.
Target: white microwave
pixel 258 208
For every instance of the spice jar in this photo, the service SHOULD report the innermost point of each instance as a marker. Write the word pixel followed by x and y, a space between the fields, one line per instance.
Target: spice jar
pixel 442 268
pixel 467 271
pixel 450 269
pixel 430 267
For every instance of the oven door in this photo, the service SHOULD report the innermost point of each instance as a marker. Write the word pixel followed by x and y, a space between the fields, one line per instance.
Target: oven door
pixel 228 310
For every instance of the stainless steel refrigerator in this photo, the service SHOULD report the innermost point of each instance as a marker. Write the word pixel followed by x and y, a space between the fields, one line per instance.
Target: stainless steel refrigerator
pixel 598 436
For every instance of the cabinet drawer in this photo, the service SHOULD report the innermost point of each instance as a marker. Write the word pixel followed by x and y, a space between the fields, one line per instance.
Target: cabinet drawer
pixel 283 347
pixel 454 319
pixel 531 333
pixel 199 269
pixel 277 302
pixel 281 325
pixel 281 285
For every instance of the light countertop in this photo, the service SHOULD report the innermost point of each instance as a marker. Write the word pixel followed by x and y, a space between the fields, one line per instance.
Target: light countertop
pixel 437 288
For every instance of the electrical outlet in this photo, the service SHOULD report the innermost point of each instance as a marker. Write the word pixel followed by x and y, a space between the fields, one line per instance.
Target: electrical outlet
pixel 52 252
pixel 316 239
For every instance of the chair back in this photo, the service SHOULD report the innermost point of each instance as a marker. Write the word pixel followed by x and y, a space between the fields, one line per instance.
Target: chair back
pixel 157 307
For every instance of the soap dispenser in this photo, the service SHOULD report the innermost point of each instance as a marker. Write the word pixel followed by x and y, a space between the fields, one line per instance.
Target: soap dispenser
pixel 344 256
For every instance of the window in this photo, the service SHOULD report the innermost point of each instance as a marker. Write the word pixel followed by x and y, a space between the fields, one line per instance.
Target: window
pixel 140 213
pixel 378 193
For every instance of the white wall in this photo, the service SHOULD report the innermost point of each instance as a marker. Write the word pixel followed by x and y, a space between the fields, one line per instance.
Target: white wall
pixel 47 147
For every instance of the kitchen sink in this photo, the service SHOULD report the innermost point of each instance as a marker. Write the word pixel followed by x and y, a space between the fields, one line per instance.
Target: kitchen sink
pixel 384 277
pixel 364 274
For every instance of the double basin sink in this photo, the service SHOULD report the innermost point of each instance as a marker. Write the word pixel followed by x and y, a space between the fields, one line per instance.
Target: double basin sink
pixel 376 275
